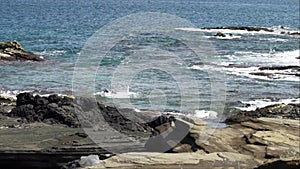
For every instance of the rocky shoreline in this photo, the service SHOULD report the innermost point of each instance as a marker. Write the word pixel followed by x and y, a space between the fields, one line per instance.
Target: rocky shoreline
pixel 48 134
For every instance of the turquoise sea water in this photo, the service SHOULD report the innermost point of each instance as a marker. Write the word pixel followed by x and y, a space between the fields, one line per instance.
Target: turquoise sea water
pixel 59 29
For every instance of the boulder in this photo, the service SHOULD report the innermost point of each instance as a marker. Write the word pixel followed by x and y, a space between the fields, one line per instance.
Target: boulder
pixel 12 51
pixel 52 109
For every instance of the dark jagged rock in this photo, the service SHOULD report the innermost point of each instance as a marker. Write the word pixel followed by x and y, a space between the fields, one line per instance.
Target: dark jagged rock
pixel 291 33
pixel 297 68
pixel 294 33
pixel 24 98
pixel 53 110
pixel 247 28
pixel 290 111
pixel 220 34
pixel 121 123
pixel 12 51
pixel 269 75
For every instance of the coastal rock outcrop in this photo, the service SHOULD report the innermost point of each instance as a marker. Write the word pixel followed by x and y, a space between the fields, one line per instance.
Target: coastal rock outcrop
pixel 289 111
pixel 12 51
pixel 247 28
pixel 52 109
pixel 72 112
pixel 256 142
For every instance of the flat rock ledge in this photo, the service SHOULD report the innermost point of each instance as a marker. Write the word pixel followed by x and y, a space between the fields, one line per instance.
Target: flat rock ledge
pixel 179 160
pixel 12 51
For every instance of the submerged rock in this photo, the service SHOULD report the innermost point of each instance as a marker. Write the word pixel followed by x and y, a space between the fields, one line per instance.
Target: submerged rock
pixel 12 51
pixel 220 34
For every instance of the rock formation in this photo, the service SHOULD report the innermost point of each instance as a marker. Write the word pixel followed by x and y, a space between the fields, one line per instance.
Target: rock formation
pixel 249 143
pixel 12 51
pixel 247 28
pixel 51 110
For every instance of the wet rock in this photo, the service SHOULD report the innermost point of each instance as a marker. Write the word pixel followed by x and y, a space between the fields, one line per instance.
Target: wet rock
pixel 296 68
pixel 290 111
pixel 269 75
pixel 247 28
pixel 220 34
pixel 12 51
pixel 294 33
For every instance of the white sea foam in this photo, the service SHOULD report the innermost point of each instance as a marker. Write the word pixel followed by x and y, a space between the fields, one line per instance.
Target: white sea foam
pixel 204 114
pixel 247 64
pixel 254 104
pixel 276 30
pixel 226 31
pixel 12 94
pixel 52 53
pixel 118 95
pixel 277 58
pixel 287 58
pixel 280 75
pixel 227 37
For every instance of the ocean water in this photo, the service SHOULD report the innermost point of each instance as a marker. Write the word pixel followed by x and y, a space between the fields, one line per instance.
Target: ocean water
pixel 59 30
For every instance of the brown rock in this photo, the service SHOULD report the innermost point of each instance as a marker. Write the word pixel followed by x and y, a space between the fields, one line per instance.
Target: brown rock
pixel 12 51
